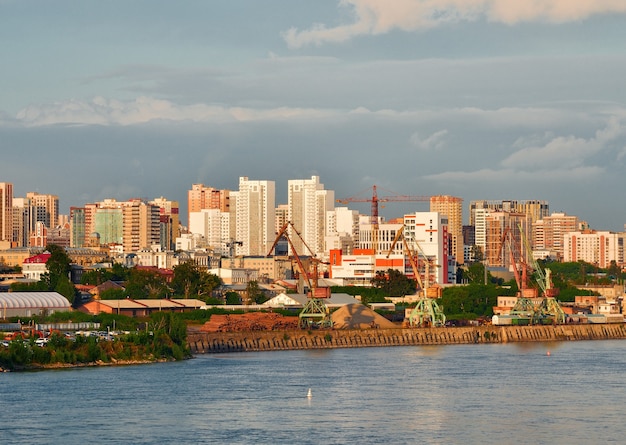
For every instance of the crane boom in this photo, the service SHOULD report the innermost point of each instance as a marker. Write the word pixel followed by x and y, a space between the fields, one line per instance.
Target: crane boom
pixel 409 253
pixel 375 200
pixel 315 313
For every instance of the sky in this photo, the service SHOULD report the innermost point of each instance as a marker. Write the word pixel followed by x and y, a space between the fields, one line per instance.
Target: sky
pixel 480 99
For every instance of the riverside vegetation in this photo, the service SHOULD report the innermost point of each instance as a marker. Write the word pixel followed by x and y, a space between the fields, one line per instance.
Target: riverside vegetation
pixel 163 338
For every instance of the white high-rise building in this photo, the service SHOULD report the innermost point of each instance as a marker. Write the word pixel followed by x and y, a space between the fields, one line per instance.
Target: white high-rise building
pixel 342 229
pixel 308 204
pixel 427 233
pixel 255 213
pixel 213 225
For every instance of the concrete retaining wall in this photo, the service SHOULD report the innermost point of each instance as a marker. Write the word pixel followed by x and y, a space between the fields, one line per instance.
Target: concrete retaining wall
pixel 278 340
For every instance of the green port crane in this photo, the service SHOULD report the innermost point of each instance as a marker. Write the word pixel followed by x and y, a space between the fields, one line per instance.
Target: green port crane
pixel 426 312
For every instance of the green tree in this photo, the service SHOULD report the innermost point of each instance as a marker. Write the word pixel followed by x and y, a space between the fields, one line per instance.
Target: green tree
pixel 254 293
pixel 113 294
pixel 171 324
pixel 192 281
pixel 66 288
pixel 146 284
pixel 186 281
pixel 29 287
pixel 95 277
pixel 208 284
pixel 232 298
pixel 394 283
pixel 58 265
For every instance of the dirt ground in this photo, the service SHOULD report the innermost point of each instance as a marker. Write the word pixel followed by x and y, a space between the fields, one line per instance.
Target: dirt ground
pixel 351 316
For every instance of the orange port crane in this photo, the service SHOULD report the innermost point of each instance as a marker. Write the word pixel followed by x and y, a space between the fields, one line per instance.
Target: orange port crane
pixel 315 313
pixel 375 200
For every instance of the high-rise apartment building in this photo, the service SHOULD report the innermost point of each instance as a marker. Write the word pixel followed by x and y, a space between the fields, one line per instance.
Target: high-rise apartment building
pixel 480 210
pixel 201 197
pixel 214 226
pixel 342 230
pixel 505 233
pixel 533 208
pixel 107 220
pixel 141 225
pixel 254 216
pixel 83 232
pixel 308 203
pixel 427 234
pixel 78 237
pixel 452 207
pixel 594 247
pixel 169 222
pixel 282 216
pixel 44 209
pixel 6 212
pixel 549 233
pixel 21 221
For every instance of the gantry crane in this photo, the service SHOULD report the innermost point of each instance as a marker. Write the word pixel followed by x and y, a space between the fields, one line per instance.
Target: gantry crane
pixel 315 312
pixel 426 312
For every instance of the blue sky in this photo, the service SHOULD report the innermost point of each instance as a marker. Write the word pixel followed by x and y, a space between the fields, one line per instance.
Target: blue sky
pixel 482 99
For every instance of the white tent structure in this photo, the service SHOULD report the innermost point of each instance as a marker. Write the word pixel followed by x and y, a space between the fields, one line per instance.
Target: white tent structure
pixel 28 304
pixel 287 301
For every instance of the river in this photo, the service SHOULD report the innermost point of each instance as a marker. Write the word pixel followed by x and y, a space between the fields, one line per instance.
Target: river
pixel 552 393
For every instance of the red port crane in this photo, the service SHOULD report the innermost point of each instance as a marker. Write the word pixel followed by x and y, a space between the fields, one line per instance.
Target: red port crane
pixel 375 200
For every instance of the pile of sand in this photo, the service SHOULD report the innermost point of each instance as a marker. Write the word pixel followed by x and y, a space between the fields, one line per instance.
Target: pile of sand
pixel 359 316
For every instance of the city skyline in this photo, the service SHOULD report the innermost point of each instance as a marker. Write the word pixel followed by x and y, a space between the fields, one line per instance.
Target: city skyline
pixel 363 206
pixel 505 100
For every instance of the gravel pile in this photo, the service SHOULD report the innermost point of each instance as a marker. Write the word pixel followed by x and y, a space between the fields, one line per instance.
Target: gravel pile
pixel 359 316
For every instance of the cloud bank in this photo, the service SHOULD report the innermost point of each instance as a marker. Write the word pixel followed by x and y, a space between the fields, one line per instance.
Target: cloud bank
pixel 373 17
pixel 101 111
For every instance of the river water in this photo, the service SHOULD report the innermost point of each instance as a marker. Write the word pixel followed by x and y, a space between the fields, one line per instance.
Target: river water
pixel 551 393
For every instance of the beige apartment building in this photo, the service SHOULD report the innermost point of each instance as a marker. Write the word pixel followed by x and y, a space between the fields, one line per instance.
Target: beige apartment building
pixel 549 233
pixel 594 247
pixel 6 211
pixel 201 197
pixel 141 228
pixel 452 207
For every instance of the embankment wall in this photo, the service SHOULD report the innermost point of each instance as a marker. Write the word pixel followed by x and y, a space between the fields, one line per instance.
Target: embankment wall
pixel 324 339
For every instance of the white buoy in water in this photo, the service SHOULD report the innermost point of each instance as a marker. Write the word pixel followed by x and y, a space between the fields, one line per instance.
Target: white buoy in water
pixel 309 394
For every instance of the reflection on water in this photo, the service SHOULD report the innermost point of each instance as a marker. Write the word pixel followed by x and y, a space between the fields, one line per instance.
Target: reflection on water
pixel 492 394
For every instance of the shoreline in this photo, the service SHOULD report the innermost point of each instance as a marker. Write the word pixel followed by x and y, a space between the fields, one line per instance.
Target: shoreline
pixel 99 363
pixel 252 341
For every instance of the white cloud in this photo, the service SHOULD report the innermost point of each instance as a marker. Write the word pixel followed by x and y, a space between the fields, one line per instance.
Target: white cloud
pixel 547 158
pixel 101 111
pixel 564 151
pixel 379 17
pixel 433 142
pixel 509 175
